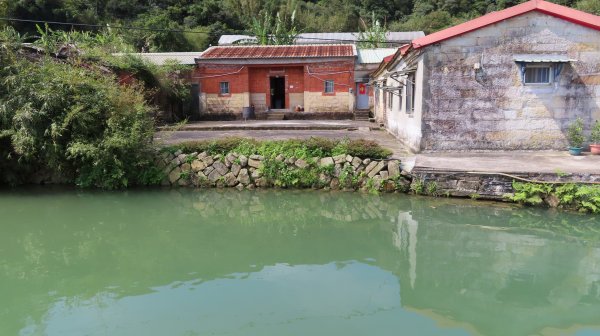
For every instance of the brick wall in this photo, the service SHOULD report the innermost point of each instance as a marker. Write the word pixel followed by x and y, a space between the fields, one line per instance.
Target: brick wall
pixel 250 85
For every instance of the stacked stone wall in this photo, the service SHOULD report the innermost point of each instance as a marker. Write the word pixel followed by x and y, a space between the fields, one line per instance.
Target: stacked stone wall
pixel 248 172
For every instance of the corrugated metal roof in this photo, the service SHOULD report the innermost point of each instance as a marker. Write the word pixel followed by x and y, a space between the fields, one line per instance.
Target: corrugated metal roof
pixel 541 58
pixel 187 58
pixel 287 51
pixel 374 55
pixel 330 38
pixel 566 13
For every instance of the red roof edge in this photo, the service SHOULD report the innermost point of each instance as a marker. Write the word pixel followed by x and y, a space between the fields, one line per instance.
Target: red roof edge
pixel 563 12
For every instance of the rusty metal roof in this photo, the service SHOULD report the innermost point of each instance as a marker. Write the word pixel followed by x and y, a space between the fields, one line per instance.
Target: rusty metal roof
pixel 285 51
pixel 565 13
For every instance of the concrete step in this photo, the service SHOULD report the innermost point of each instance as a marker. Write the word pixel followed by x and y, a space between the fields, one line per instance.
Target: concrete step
pixel 275 116
pixel 361 115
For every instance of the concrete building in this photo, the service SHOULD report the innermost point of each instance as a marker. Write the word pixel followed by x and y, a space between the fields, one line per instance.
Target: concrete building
pixel 367 61
pixel 510 80
pixel 314 78
pixel 394 39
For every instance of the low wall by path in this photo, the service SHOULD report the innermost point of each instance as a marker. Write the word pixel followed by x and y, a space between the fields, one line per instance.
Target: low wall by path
pixel 234 170
pixel 484 185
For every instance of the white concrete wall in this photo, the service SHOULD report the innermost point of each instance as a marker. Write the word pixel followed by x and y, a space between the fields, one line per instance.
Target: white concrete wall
pixel 400 122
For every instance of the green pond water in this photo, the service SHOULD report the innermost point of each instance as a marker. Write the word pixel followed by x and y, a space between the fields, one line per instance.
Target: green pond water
pixel 210 262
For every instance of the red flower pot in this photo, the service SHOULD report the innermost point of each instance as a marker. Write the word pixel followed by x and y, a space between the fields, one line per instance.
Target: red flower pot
pixel 595 149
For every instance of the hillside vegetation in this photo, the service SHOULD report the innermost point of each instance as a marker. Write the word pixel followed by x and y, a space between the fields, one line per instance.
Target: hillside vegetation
pixel 204 21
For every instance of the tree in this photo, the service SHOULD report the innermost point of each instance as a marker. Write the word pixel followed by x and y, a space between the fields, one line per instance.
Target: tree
pixel 373 35
pixel 278 31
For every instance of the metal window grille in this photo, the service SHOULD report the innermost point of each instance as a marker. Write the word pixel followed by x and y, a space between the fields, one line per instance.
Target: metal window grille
pixel 224 88
pixel 328 86
pixel 538 75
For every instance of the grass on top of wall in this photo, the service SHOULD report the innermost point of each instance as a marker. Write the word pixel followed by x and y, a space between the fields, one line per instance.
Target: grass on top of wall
pixel 298 148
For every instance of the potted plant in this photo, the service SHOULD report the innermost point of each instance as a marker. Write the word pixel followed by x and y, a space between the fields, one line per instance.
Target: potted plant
pixel 595 138
pixel 575 137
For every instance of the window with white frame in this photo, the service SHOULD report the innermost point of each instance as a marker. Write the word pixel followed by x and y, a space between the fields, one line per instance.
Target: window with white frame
pixel 224 88
pixel 329 86
pixel 538 74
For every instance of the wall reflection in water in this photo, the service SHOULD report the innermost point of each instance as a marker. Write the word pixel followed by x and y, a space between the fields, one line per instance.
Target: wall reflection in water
pixel 188 262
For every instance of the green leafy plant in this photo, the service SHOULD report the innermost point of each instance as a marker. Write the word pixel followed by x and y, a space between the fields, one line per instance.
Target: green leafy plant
pixel 575 133
pixel 595 135
pixel 417 186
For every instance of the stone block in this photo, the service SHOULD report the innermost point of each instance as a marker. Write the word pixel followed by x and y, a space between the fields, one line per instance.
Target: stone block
pixel 208 160
pixel 349 158
pixel 186 167
pixel 198 165
pixel 326 161
pixel 243 161
pixel 384 174
pixel 370 166
pixel 230 180
pixel 394 168
pixel 334 184
pixel 301 163
pixel 214 176
pixel 220 167
pixel 356 162
pixel 243 177
pixel 339 158
pixel 174 175
pixel 255 163
pixel 378 167
pixel 235 169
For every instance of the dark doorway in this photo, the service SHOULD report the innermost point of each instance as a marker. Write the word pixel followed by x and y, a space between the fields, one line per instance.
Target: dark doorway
pixel 277 92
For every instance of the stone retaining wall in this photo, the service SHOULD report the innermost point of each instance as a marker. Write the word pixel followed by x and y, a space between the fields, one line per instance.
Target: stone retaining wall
pixel 482 185
pixel 242 172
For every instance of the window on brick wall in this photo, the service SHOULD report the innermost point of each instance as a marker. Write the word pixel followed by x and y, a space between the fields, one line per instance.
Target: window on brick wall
pixel 224 88
pixel 329 86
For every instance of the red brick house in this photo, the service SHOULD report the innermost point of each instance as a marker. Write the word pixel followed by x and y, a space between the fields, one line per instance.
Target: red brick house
pixel 294 79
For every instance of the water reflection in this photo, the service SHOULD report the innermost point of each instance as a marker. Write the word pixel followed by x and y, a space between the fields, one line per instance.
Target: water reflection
pixel 191 262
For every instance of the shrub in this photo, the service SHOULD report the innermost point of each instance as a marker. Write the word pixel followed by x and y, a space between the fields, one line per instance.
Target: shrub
pixel 575 133
pixel 76 122
pixel 302 149
pixel 595 136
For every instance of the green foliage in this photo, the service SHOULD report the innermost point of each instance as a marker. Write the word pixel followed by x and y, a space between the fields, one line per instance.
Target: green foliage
pixel 417 186
pixel 279 30
pixel 431 188
pixel 302 149
pixel 373 35
pixel 595 135
pixel 575 133
pixel 590 6
pixel 580 197
pixel 530 193
pixel 75 122
pixel 208 19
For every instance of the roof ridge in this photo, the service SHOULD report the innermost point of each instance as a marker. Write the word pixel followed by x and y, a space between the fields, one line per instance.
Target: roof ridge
pixel 549 8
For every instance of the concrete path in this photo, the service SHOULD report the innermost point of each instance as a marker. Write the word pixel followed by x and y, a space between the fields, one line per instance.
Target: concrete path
pixel 239 125
pixel 510 162
pixel 382 137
